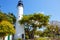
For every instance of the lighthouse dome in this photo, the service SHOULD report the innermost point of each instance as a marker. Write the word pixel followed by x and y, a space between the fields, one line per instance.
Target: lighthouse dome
pixel 20 3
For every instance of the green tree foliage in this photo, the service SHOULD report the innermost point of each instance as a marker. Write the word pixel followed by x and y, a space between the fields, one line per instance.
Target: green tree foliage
pixel 7 24
pixel 42 38
pixel 50 31
pixel 6 28
pixel 9 17
pixel 36 20
pixel 3 16
pixel 33 21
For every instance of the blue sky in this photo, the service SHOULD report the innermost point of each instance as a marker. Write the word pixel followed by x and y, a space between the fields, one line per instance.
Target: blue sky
pixel 48 7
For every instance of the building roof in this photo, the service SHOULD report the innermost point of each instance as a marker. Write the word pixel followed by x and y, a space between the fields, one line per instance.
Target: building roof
pixel 20 3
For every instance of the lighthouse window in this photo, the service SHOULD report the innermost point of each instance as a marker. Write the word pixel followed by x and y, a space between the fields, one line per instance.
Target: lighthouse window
pixel 19 16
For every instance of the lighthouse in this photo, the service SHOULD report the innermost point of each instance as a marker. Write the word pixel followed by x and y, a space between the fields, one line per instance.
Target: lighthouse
pixel 19 28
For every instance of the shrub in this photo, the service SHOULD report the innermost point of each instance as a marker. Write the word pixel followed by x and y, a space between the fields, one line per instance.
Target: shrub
pixel 42 38
pixel 19 39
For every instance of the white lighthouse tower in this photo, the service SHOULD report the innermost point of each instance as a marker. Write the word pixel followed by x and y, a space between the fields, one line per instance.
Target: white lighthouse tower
pixel 19 28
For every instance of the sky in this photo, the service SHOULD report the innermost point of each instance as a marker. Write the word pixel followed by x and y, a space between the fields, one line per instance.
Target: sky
pixel 47 7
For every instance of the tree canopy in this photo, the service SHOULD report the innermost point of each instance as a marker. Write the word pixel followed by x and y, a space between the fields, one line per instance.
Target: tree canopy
pixel 7 24
pixel 9 17
pixel 6 28
pixel 36 20
pixel 32 21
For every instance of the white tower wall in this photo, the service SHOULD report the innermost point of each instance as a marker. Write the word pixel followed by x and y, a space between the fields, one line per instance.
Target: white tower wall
pixel 19 28
pixel 20 13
